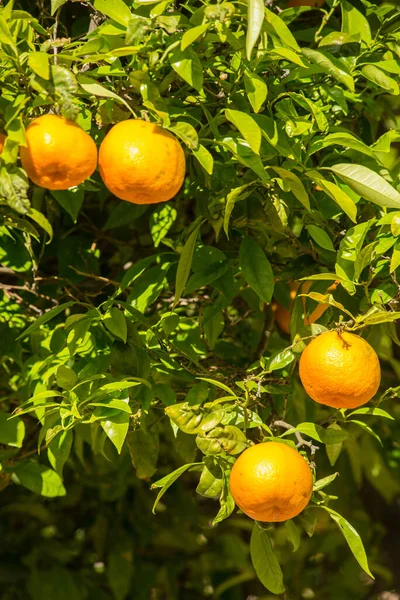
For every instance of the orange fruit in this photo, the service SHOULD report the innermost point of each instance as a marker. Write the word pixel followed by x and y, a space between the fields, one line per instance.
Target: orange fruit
pixel 282 314
pixel 271 482
pixel 2 140
pixel 60 155
pixel 142 163
pixel 312 3
pixel 340 370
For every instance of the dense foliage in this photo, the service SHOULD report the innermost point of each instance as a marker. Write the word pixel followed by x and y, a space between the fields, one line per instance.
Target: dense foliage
pixel 138 344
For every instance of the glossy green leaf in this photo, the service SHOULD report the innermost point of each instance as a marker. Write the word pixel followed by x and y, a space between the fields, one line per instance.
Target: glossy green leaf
pixel 39 479
pixel 354 23
pixel 337 194
pixel 168 480
pixel 322 483
pixel 293 534
pixel 185 264
pixel 368 184
pixel 59 449
pixel 247 127
pixel 320 237
pixel 188 66
pixel 256 90
pixel 229 439
pixel 47 316
pixel 115 321
pixel 39 62
pixel 380 78
pixel 12 432
pixel 66 377
pixel 256 269
pixel 193 34
pixel 330 66
pixel 205 158
pixel 325 436
pixel 115 9
pixel 295 184
pixel 116 429
pixel 264 561
pixel 255 18
pixel 352 538
pixel 280 28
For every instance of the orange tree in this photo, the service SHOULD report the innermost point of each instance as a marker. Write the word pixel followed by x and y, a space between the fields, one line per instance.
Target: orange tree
pixel 138 344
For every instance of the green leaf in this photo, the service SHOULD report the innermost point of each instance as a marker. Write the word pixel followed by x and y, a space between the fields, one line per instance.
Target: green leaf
pixel 293 534
pixel 12 432
pixel 161 221
pixel 168 480
pixel 70 200
pixel 279 360
pixel 255 18
pixel 186 133
pixel 321 237
pixel 205 158
pixel 211 481
pixel 352 538
pixel 354 23
pixel 56 4
pixel 322 483
pixel 264 561
pixel 185 264
pixel 333 450
pixel 117 10
pixel 337 194
pixel 95 89
pixel 39 62
pixel 295 184
pixel 193 34
pixel 192 419
pixel 213 326
pixel 395 260
pixel 218 384
pixel 280 28
pixel 239 193
pixel 188 66
pixel 380 79
pixel 66 377
pixel 331 66
pixel 39 479
pixel 325 436
pixel 229 439
pixel 256 90
pixel 144 447
pixel 256 269
pixel 247 127
pixel 115 321
pixel 14 187
pixel 41 220
pixel 226 501
pixel 368 184
pixel 47 316
pixel 116 429
pixel 59 449
pixel 371 410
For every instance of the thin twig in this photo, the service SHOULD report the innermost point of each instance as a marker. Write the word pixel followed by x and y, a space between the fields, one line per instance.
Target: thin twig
pixel 300 440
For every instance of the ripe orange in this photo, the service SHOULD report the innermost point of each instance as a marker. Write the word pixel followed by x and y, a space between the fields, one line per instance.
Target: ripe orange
pixel 340 370
pixel 282 314
pixel 142 163
pixel 2 140
pixel 60 155
pixel 271 482
pixel 316 3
